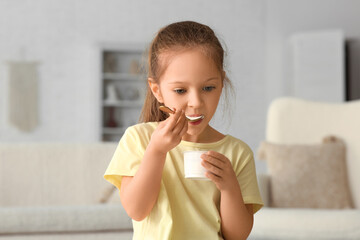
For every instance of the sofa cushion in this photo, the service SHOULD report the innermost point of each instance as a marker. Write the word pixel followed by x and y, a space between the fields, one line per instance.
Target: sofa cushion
pixel 297 121
pixel 48 174
pixel 284 224
pixel 307 176
pixel 63 219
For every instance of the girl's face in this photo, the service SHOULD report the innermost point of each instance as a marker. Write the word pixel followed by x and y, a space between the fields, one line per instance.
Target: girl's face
pixel 193 83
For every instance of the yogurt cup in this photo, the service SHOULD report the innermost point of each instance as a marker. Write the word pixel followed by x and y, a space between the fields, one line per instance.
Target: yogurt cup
pixel 192 165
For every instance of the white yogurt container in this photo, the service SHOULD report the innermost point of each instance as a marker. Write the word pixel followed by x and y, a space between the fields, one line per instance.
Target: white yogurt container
pixel 192 165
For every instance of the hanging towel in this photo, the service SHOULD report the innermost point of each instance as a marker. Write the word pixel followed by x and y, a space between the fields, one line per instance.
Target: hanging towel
pixel 23 95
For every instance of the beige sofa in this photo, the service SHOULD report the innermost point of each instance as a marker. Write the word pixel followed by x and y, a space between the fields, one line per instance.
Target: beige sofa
pixel 296 121
pixel 54 191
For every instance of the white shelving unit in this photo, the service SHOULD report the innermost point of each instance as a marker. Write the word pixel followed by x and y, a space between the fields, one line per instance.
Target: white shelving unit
pixel 123 86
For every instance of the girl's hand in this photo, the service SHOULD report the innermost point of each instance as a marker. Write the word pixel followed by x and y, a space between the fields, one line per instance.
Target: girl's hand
pixel 220 171
pixel 169 133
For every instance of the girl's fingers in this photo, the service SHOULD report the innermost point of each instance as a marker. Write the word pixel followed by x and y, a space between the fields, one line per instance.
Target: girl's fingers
pixel 184 127
pixel 180 124
pixel 172 120
pixel 219 170
pixel 212 177
pixel 217 155
pixel 217 162
pixel 212 168
pixel 184 130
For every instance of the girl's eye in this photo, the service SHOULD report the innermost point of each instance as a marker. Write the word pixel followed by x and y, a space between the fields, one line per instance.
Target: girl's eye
pixel 209 88
pixel 180 91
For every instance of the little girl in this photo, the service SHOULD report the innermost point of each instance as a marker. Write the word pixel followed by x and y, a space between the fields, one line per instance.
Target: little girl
pixel 185 73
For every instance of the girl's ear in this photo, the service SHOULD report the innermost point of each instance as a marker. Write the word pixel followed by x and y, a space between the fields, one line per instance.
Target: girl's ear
pixel 155 89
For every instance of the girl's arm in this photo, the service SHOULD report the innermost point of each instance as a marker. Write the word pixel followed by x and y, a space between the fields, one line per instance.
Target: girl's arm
pixel 236 217
pixel 139 193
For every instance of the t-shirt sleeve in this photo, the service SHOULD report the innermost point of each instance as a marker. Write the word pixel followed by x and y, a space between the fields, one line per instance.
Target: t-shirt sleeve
pixel 127 157
pixel 246 175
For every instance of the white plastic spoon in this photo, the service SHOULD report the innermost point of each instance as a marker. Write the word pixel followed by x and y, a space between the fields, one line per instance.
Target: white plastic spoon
pixel 190 119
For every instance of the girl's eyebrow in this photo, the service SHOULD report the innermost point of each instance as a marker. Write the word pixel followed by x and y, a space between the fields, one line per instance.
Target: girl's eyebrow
pixel 180 82
pixel 176 82
pixel 212 78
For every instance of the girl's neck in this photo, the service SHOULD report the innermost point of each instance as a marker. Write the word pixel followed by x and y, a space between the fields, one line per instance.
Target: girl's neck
pixel 209 135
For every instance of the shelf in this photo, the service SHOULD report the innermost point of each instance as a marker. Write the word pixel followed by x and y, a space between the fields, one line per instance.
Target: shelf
pixel 123 86
pixel 129 104
pixel 123 77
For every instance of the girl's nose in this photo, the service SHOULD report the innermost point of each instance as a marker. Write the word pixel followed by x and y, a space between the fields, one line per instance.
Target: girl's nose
pixel 195 100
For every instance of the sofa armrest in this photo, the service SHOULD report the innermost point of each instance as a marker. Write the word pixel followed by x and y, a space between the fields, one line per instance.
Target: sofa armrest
pixel 264 187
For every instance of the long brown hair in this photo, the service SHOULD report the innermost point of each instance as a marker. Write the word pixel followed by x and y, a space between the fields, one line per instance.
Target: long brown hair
pixel 172 38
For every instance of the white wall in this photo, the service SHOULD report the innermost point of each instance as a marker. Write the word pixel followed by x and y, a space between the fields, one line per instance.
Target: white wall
pixel 285 18
pixel 62 35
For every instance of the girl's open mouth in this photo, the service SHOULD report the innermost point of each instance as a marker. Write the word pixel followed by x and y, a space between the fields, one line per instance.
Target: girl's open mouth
pixel 195 118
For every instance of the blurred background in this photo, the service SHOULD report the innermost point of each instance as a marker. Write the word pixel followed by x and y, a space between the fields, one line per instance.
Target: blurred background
pixel 72 80
pixel 66 39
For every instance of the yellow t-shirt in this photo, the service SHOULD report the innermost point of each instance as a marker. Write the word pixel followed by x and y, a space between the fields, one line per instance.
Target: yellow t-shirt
pixel 185 209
